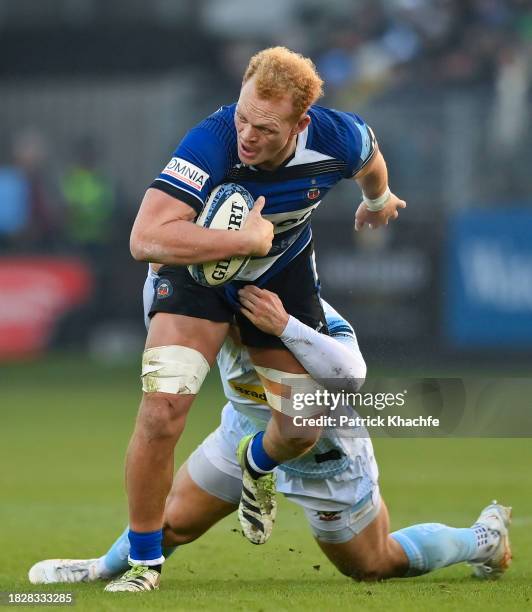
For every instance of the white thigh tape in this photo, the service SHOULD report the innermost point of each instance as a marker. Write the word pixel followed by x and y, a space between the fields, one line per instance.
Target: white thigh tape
pixel 291 394
pixel 173 369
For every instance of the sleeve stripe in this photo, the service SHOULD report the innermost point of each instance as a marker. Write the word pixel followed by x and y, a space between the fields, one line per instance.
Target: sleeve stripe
pixel 179 193
pixel 160 178
pixel 373 148
pixel 341 329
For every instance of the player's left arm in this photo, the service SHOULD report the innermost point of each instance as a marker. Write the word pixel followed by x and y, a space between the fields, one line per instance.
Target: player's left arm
pixel 366 165
pixel 379 204
pixel 335 362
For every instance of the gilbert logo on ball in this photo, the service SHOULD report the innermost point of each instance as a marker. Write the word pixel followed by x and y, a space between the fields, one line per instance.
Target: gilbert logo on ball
pixel 227 208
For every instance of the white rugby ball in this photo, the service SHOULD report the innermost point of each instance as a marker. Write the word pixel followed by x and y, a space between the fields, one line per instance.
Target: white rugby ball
pixel 227 208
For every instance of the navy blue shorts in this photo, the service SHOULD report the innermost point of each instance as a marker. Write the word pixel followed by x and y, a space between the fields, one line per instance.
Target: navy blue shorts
pixel 176 292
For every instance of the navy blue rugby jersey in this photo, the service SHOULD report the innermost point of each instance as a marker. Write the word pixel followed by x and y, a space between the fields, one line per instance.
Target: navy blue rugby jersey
pixel 334 146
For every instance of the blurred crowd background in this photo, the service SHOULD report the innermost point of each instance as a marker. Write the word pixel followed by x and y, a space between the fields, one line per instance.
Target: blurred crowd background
pixel 96 94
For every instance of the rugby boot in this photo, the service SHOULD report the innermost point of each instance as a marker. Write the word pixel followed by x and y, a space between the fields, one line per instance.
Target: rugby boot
pixel 495 517
pixel 138 578
pixel 257 508
pixel 54 571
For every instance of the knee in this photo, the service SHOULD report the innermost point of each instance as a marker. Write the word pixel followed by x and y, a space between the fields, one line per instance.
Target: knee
pixel 176 535
pixel 369 569
pixel 162 416
pixel 367 572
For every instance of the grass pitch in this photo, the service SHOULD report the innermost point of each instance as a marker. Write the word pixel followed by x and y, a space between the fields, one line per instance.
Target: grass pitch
pixel 64 429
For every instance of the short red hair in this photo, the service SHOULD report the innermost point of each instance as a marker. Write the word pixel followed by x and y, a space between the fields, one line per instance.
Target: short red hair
pixel 278 71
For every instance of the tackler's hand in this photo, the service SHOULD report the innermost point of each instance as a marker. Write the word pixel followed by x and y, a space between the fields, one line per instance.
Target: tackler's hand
pixel 264 309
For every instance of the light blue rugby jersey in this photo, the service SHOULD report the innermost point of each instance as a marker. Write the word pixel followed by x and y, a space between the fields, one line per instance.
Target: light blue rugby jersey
pixel 335 146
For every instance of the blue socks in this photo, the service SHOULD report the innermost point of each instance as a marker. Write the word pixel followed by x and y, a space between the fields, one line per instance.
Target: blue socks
pixel 115 560
pixel 258 462
pixel 146 547
pixel 432 545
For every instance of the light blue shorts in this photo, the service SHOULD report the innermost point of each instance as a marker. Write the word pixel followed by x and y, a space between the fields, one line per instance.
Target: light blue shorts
pixel 213 467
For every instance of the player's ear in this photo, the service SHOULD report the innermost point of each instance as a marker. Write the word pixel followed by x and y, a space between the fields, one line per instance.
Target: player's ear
pixel 301 125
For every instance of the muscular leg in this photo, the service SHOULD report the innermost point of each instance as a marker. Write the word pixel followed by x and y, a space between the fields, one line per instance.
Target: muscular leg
pixel 190 511
pixel 161 420
pixel 376 554
pixel 372 554
pixel 282 441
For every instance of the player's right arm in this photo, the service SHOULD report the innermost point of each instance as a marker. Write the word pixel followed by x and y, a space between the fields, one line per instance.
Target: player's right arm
pixel 164 232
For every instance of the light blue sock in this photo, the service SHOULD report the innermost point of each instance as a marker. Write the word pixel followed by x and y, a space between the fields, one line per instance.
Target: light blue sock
pixel 115 560
pixel 432 545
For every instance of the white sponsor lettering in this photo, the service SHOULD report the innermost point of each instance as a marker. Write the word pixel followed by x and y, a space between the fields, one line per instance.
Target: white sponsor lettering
pixel 188 173
pixel 287 220
pixel 497 276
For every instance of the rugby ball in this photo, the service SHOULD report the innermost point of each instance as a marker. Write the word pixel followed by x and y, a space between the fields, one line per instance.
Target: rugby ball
pixel 227 208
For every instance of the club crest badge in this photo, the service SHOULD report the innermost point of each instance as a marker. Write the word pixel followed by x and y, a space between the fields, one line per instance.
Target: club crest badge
pixel 313 194
pixel 329 516
pixel 164 289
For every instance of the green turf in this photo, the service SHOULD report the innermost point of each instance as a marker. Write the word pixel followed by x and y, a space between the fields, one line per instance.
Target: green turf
pixel 64 429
